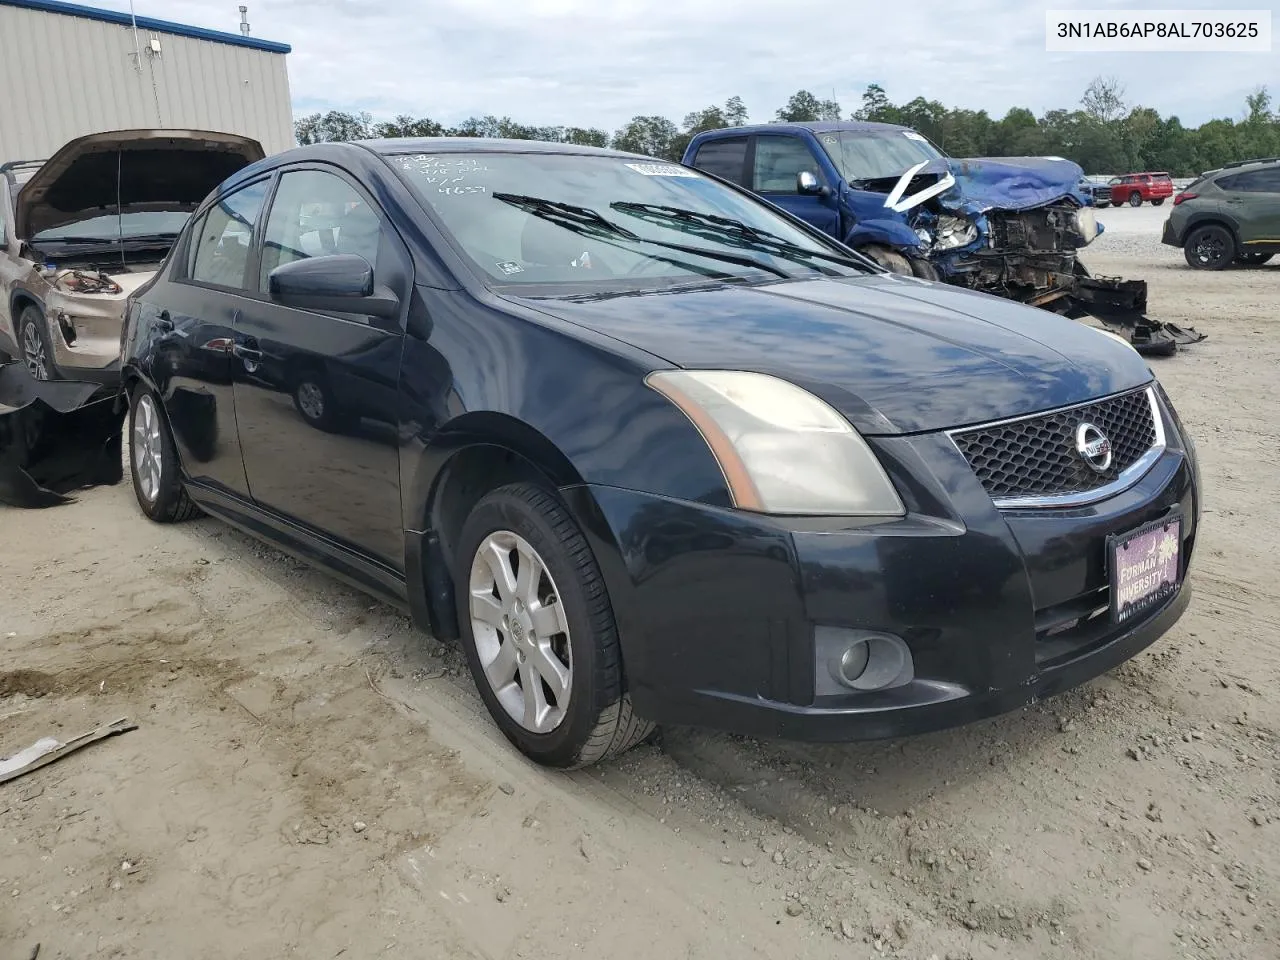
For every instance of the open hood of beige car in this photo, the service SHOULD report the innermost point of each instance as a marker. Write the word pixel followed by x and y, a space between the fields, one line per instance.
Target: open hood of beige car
pixel 129 171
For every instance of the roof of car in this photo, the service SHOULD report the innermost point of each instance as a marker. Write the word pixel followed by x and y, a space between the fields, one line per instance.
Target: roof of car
pixel 816 126
pixel 1242 165
pixel 482 145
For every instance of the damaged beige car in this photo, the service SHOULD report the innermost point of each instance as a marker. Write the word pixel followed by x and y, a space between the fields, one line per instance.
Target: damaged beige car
pixel 81 231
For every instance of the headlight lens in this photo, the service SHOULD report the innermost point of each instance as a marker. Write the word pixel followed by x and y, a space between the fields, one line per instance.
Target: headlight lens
pixel 952 232
pixel 781 449
pixel 1086 224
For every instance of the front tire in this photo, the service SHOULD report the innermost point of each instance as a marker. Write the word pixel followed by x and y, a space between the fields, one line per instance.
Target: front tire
pixel 33 341
pixel 1209 248
pixel 1135 199
pixel 891 260
pixel 539 633
pixel 153 462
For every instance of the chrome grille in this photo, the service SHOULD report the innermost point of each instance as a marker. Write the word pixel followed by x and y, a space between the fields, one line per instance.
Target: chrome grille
pixel 1034 458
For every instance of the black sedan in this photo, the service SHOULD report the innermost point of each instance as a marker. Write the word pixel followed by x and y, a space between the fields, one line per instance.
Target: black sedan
pixel 653 450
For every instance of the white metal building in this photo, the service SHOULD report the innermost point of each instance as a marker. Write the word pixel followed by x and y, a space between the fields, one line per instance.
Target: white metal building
pixel 68 70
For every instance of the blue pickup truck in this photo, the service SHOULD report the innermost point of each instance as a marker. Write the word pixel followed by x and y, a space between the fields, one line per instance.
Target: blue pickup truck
pixel 1008 226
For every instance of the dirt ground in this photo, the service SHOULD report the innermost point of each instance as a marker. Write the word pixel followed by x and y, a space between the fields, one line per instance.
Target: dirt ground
pixel 313 778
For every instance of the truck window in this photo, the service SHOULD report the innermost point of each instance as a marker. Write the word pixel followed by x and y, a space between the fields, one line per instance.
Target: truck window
pixel 778 161
pixel 723 158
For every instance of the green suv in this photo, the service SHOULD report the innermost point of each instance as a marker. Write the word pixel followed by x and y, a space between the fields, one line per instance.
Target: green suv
pixel 1226 216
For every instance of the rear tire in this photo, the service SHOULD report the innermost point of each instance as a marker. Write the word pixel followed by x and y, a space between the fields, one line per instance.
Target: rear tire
pixel 153 462
pixel 1157 201
pixel 536 621
pixel 1210 247
pixel 1135 199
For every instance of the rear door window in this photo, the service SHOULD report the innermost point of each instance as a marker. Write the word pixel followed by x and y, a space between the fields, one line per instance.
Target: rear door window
pixel 1255 181
pixel 723 158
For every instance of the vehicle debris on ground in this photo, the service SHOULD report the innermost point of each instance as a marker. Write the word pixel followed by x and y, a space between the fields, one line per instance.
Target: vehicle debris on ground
pixel 56 437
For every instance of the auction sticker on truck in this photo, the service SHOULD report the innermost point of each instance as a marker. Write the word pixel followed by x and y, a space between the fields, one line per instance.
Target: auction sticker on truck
pixel 1144 567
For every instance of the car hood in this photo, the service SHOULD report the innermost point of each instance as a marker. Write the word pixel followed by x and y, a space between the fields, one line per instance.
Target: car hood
pixel 893 354
pixel 980 184
pixel 129 171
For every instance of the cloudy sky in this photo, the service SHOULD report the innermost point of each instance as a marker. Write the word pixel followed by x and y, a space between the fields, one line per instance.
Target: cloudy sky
pixel 600 62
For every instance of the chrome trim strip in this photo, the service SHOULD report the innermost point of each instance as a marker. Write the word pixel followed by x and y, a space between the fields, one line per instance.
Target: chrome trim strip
pixel 1131 475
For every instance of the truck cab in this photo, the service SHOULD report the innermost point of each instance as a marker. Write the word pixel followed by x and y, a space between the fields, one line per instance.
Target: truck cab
pixel 827 175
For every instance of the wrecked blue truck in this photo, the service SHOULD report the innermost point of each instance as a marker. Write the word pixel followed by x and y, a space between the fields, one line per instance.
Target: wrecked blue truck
pixel 1008 226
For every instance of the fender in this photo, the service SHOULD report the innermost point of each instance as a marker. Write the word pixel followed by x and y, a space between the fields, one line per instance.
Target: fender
pixel 890 233
pixel 1207 217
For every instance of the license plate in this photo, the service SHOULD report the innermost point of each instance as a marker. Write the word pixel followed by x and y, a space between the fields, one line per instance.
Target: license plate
pixel 1145 565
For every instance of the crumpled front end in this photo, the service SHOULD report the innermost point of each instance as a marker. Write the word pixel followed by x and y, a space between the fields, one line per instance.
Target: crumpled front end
pixel 1010 227
pixel 85 311
pixel 1013 227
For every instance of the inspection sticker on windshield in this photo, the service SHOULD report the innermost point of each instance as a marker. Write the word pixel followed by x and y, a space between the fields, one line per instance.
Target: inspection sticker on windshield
pixel 509 267
pixel 911 135
pixel 662 170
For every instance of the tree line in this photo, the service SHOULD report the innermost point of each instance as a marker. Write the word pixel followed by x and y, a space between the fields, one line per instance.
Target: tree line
pixel 1104 134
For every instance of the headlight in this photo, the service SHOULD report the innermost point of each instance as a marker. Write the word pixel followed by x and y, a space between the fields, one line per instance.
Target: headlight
pixel 1086 224
pixel 780 448
pixel 953 232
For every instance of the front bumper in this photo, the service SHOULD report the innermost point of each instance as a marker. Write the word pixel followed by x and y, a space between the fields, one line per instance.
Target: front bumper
pixel 717 609
pixel 1169 235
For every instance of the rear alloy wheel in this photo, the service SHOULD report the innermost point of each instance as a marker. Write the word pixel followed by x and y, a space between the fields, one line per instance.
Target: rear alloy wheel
pixel 153 462
pixel 1135 199
pixel 1157 201
pixel 1210 247
pixel 539 633
pixel 34 345
pixel 1253 259
pixel 890 260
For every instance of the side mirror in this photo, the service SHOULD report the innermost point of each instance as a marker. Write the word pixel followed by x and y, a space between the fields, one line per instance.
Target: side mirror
pixel 341 283
pixel 807 185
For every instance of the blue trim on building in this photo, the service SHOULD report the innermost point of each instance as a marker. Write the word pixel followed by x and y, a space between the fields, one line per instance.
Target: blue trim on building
pixel 148 23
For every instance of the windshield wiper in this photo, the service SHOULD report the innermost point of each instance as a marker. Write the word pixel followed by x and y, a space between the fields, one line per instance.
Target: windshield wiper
pixel 585 221
pixel 132 238
pixel 727 230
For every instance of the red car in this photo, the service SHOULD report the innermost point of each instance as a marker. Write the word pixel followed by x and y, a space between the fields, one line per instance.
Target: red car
pixel 1137 187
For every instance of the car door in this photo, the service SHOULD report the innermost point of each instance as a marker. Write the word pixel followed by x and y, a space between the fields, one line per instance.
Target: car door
pixel 317 393
pixel 1253 202
pixel 193 316
pixel 776 161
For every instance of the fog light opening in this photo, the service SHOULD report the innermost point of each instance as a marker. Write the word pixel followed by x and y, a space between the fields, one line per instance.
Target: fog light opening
pixel 874 662
pixel 67 327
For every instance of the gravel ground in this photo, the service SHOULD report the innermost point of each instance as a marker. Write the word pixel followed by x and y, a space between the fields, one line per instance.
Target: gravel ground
pixel 313 778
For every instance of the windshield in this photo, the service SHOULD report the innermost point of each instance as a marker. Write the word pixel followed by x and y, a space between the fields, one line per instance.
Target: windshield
pixel 876 154
pixel 111 227
pixel 587 221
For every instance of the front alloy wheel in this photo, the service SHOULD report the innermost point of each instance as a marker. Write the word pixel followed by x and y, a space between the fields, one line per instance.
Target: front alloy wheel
pixel 538 630
pixel 1210 248
pixel 34 352
pixel 521 633
pixel 153 461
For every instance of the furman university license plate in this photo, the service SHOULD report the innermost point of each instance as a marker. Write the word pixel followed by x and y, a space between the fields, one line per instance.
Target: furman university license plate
pixel 1144 566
